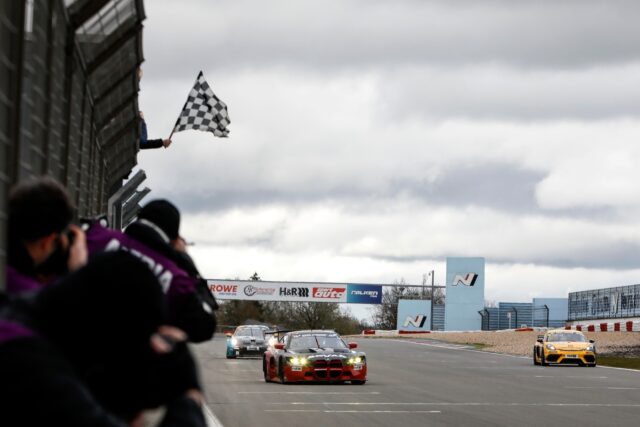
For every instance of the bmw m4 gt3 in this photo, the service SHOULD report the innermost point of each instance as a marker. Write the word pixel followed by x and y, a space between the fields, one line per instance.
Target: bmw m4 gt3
pixel 314 356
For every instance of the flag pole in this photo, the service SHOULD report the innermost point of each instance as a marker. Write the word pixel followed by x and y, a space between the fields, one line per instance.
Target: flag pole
pixel 174 126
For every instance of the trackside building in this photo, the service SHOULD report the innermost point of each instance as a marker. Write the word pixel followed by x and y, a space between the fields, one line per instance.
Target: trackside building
pixel 615 304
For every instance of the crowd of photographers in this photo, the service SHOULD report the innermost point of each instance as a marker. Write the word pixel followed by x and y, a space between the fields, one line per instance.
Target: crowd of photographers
pixel 94 323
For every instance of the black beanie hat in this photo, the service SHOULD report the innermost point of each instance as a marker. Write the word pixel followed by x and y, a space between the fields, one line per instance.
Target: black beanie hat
pixel 164 214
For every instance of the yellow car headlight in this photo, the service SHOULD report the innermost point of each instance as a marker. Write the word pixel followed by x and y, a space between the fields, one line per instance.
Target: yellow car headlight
pixel 298 361
pixel 551 347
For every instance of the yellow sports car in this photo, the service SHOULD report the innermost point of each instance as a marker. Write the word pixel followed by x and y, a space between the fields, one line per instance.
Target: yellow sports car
pixel 564 347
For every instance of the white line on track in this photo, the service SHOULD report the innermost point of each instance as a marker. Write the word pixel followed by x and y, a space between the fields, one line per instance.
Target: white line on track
pixel 496 404
pixel 309 392
pixel 637 371
pixel 571 376
pixel 384 412
pixel 327 411
pixel 212 420
pixel 463 348
pixel 605 388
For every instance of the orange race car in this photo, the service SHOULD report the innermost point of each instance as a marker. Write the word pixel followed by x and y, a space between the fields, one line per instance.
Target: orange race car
pixel 314 356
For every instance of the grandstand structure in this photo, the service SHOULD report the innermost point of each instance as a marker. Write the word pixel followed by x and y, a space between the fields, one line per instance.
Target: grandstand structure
pixel 69 101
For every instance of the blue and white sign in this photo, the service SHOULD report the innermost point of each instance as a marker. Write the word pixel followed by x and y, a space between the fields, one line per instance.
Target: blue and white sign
pixel 414 315
pixel 465 294
pixel 364 294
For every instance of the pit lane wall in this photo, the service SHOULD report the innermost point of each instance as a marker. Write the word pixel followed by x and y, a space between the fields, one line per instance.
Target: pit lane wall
pixel 251 290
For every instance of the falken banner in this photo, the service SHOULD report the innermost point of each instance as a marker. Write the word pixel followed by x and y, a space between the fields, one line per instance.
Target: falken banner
pixel 252 290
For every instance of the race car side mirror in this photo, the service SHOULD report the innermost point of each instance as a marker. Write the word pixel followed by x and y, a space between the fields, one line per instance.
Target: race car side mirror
pixel 592 341
pixel 353 345
pixel 228 335
pixel 539 340
pixel 279 346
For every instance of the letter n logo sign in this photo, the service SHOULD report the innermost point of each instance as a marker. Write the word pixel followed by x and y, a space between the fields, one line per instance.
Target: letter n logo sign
pixel 418 322
pixel 468 279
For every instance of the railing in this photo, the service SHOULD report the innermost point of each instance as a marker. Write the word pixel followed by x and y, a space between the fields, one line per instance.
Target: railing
pixel 69 98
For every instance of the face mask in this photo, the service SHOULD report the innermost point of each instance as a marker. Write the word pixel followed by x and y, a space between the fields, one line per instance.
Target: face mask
pixel 56 263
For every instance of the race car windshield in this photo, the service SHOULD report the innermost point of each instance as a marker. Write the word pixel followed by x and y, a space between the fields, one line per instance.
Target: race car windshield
pixel 566 337
pixel 316 341
pixel 250 332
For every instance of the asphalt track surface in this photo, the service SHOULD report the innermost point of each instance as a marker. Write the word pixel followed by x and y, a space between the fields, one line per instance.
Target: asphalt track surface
pixel 423 383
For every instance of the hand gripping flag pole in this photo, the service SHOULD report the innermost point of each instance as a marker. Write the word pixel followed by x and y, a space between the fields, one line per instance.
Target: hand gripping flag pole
pixel 203 111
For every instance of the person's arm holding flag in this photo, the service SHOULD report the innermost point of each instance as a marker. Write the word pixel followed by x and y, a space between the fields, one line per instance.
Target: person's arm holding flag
pixel 146 143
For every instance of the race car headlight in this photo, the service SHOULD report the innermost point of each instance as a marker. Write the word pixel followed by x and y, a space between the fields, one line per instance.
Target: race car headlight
pixel 298 361
pixel 234 341
pixel 551 347
pixel 355 360
pixel 590 348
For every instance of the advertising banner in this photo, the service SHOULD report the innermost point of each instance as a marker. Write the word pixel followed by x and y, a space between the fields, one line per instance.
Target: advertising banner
pixel 364 294
pixel 414 315
pixel 295 291
pixel 465 294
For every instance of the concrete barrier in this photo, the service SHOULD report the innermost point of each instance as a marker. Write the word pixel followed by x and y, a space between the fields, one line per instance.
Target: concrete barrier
pixel 628 326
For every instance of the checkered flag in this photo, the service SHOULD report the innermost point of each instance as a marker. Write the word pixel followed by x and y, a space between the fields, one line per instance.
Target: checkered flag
pixel 203 111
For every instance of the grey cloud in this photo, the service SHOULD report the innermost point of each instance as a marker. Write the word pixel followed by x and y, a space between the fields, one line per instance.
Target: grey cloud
pixel 496 93
pixel 329 34
pixel 496 186
pixel 618 256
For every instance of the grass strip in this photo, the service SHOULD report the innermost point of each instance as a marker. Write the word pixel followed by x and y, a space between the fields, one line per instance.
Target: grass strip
pixel 620 362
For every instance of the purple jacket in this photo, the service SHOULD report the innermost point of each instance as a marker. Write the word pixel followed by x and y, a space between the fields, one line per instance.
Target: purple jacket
pixel 10 330
pixel 186 309
pixel 18 282
pixel 172 279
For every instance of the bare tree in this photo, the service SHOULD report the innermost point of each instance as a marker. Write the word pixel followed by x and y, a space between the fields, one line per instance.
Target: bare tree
pixel 385 315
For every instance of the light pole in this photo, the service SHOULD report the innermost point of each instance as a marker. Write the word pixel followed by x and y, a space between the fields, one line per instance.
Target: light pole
pixel 432 273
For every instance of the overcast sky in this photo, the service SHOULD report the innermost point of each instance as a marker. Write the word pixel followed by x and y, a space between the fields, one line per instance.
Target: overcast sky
pixel 371 139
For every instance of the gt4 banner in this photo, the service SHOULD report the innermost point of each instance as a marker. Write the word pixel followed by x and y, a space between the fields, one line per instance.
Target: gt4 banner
pixel 295 291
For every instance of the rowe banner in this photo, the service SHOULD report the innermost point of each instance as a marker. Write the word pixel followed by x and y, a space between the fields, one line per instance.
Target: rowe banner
pixel 295 291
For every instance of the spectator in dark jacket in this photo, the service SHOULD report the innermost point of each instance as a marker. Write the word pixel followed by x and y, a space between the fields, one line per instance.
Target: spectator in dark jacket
pixel 158 226
pixel 90 350
pixel 191 305
pixel 43 244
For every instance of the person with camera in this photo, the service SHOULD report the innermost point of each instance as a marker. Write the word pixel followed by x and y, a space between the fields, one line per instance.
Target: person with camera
pixel 43 244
